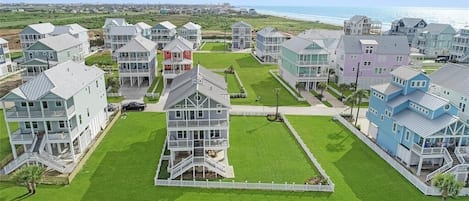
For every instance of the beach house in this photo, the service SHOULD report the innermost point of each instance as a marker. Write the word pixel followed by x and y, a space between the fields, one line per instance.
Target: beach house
pixel 163 33
pixel 144 29
pixel 35 32
pixel 434 40
pixel 191 32
pixel 110 22
pixel 121 35
pixel 59 113
pixel 407 26
pixel 370 59
pixel 5 58
pixel 76 31
pixel 50 51
pixel 268 43
pixel 177 58
pixel 197 124
pixel 241 33
pixel 459 50
pixel 137 62
pixel 362 25
pixel 418 128
pixel 451 82
pixel 330 38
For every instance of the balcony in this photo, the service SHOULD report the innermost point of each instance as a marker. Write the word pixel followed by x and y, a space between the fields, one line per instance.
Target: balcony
pixel 427 151
pixel 312 62
pixel 176 124
pixel 13 113
pixel 189 144
pixel 119 59
pixel 134 70
pixel 307 75
pixel 19 136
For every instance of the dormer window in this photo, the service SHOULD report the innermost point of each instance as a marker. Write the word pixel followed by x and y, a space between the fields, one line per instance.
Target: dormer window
pixel 447 107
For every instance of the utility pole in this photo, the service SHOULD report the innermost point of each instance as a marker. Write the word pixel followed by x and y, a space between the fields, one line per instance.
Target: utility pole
pixel 277 92
pixel 356 78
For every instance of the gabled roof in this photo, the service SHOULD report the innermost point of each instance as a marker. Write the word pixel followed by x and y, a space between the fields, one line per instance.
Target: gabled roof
pixel 123 30
pixel 115 22
pixel 435 28
pixel 421 125
pixel 69 28
pixel 357 18
pixel 138 44
pixel 191 26
pixel 241 24
pixel 165 25
pixel 270 32
pixel 386 88
pixel 143 25
pixel 37 61
pixel 452 76
pixel 329 37
pixel 411 22
pixel 424 99
pixel 179 43
pixel 42 28
pixel 405 72
pixel 305 46
pixel 3 41
pixel 386 44
pixel 63 80
pixel 60 42
pixel 199 80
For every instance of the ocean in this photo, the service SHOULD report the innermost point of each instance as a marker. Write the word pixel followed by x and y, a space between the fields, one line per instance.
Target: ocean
pixel 457 17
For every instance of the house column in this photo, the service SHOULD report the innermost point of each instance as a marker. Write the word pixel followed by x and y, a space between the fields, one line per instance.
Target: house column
pixel 72 150
pixel 13 148
pixel 419 168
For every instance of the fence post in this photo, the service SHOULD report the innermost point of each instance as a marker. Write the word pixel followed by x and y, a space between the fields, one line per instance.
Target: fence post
pixel 206 183
pixel 272 186
pixel 246 184
pixel 286 188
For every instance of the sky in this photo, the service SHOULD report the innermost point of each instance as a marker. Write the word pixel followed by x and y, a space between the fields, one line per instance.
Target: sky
pixel 361 3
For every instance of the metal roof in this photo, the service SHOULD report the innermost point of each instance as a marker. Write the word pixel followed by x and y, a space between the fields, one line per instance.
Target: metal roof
pixel 424 99
pixel 421 125
pixel 405 72
pixel 452 76
pixel 410 22
pixel 165 25
pixel 143 25
pixel 386 88
pixel 436 28
pixel 63 80
pixel 357 18
pixel 37 61
pixel 304 46
pixel 123 30
pixel 271 32
pixel 69 28
pixel 3 41
pixel 191 26
pixel 115 22
pixel 199 80
pixel 386 44
pixel 138 44
pixel 60 42
pixel 179 43
pixel 42 28
pixel 241 24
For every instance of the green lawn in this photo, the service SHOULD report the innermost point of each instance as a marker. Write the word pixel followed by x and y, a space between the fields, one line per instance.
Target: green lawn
pixel 16 55
pixel 255 77
pixel 216 46
pixel 101 58
pixel 266 151
pixel 115 99
pixel 357 172
pixel 5 148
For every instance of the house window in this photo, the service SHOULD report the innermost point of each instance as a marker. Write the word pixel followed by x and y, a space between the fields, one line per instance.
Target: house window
pixel 79 119
pixel 88 111
pixel 394 127
pixel 182 134
pixel 27 125
pixel 178 114
pixel 34 124
pixel 447 107
pixel 200 114
pixel 197 97
pixel 31 104
pixel 45 105
pixel 23 104
pixel 214 134
pixel 61 124
pixel 58 103
pixel 382 117
pixel 97 85
pixel 407 135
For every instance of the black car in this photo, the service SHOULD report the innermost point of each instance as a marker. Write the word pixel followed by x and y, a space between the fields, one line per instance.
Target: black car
pixel 133 106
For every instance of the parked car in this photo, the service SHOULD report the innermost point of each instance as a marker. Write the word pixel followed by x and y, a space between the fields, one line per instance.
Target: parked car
pixel 442 59
pixel 133 106
pixel 111 107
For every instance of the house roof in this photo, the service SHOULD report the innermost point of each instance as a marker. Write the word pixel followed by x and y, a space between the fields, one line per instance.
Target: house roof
pixel 37 61
pixel 386 88
pixel 143 25
pixel 405 72
pixel 424 99
pixel 179 43
pixel 63 80
pixel 123 30
pixel 305 46
pixel 69 28
pixel 410 22
pixel 329 37
pixel 191 26
pixel 3 41
pixel 386 44
pixel 59 42
pixel 436 28
pixel 42 28
pixel 199 80
pixel 270 32
pixel 166 25
pixel 421 125
pixel 452 76
pixel 356 18
pixel 115 22
pixel 241 24
pixel 138 44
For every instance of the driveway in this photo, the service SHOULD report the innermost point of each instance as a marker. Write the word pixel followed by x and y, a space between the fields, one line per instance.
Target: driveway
pixel 133 93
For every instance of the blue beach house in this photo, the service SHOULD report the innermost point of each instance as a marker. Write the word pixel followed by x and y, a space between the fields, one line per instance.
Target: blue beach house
pixel 418 128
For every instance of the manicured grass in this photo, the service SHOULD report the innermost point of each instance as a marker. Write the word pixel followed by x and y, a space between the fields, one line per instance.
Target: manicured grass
pixel 16 55
pixel 101 59
pixel 159 90
pixel 255 77
pixel 5 148
pixel 217 46
pixel 326 103
pixel 357 172
pixel 265 151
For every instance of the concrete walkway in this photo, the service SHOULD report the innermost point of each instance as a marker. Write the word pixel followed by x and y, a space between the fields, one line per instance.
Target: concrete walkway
pixel 332 100
pixel 313 101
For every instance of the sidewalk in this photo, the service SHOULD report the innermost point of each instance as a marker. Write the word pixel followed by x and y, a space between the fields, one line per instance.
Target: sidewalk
pixel 313 101
pixel 332 100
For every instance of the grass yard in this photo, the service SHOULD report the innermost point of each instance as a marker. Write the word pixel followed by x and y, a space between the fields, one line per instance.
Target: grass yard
pixel 357 172
pixel 266 151
pixel 216 46
pixel 117 99
pixel 100 59
pixel 15 55
pixel 5 148
pixel 255 77
pixel 159 90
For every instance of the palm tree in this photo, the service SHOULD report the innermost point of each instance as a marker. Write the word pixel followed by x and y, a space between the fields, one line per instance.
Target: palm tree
pixel 350 100
pixel 447 184
pixel 343 87
pixel 321 87
pixel 277 93
pixel 28 176
pixel 358 96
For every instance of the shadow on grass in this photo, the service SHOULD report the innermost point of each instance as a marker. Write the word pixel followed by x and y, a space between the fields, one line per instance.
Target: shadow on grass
pixel 24 196
pixel 248 62
pixel 266 90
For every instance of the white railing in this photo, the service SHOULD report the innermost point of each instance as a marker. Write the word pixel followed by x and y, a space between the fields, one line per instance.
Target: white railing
pixel 58 136
pixel 182 166
pixel 216 143
pixel 14 113
pixel 20 160
pixel 180 144
pixel 215 166
pixel 244 185
pixel 427 151
pixel 18 135
pixel 460 153
pixel 196 123
pixel 448 164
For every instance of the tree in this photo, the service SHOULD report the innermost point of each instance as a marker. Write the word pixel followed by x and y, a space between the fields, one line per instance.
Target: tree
pixel 298 86
pixel 342 88
pixel 277 93
pixel 28 176
pixel 358 96
pixel 350 101
pixel 321 87
pixel 447 184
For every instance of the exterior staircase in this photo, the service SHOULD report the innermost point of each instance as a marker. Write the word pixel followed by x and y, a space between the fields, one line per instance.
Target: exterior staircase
pixel 205 161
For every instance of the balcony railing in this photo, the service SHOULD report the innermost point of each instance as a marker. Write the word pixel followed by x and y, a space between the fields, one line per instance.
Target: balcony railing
pixel 133 58
pixel 312 62
pixel 312 75
pixel 189 143
pixel 173 71
pixel 197 123
pixel 134 70
pixel 19 135
pixel 427 151
pixel 14 113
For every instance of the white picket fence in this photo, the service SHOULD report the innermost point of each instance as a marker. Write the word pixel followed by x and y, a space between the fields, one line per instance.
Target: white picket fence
pixel 419 184
pixel 293 93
